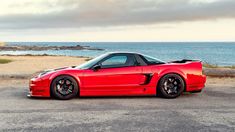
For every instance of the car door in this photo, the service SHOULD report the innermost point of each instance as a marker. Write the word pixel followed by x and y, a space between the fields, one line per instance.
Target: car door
pixel 118 73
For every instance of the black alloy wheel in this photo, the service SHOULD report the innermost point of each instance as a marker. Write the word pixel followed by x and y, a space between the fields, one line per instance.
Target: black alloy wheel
pixel 171 86
pixel 64 87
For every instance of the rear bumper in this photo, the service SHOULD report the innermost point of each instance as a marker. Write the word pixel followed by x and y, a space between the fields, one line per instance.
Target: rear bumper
pixel 38 88
pixel 198 84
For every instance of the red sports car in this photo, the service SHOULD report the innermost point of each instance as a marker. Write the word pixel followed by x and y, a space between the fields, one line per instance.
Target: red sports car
pixel 120 74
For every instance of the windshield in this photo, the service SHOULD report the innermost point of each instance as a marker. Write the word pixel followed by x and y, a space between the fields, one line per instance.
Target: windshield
pixel 92 62
pixel 152 60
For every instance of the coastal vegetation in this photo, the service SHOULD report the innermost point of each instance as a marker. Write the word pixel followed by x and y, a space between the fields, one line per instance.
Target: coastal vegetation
pixel 208 65
pixel 5 61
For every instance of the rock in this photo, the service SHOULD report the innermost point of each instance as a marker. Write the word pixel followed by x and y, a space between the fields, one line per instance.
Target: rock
pixel 219 72
pixel 40 48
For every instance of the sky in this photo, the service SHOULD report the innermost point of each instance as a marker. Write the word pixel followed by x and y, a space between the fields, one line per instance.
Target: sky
pixel 117 20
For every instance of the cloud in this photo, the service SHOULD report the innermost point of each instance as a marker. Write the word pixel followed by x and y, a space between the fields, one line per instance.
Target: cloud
pixel 103 13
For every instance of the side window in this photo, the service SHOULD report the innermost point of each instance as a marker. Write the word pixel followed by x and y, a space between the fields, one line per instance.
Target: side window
pixel 151 60
pixel 118 61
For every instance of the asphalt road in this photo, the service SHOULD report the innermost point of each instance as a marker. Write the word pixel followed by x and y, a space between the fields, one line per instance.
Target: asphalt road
pixel 211 110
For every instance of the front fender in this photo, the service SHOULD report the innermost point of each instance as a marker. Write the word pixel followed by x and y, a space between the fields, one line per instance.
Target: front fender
pixel 74 75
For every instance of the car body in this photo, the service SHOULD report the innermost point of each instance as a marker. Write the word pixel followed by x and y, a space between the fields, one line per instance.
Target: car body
pixel 121 74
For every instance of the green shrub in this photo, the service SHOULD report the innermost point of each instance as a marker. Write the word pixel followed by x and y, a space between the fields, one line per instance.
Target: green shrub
pixel 208 65
pixel 4 61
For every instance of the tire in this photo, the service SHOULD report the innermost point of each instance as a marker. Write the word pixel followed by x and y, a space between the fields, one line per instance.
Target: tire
pixel 171 86
pixel 64 87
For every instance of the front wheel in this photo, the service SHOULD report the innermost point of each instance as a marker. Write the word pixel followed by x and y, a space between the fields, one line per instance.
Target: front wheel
pixel 64 87
pixel 171 86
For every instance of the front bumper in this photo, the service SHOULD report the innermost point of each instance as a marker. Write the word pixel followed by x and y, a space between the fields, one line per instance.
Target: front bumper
pixel 39 88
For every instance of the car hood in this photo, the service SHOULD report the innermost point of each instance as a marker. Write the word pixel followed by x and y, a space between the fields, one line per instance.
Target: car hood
pixel 55 70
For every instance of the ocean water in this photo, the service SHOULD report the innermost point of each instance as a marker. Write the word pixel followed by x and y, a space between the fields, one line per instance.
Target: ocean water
pixel 221 53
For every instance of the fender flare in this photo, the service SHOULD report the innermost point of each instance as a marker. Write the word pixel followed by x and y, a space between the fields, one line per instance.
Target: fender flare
pixel 172 71
pixel 52 77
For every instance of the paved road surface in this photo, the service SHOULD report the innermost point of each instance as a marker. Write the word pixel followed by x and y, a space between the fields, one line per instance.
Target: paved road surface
pixel 211 110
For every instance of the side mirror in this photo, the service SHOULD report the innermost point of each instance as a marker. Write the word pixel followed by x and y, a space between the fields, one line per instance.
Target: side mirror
pixel 96 67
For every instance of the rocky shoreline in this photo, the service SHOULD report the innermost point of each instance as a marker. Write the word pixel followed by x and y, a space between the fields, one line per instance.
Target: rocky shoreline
pixel 219 72
pixel 41 48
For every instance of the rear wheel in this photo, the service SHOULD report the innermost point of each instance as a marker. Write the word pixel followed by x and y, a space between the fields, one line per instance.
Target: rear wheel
pixel 64 87
pixel 171 86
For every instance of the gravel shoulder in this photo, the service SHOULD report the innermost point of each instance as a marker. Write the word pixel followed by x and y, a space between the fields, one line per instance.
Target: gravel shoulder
pixel 211 110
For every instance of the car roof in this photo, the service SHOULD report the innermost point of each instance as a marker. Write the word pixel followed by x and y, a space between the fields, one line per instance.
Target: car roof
pixel 123 52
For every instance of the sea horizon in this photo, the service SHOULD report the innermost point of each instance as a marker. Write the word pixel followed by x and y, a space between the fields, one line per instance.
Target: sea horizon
pixel 219 53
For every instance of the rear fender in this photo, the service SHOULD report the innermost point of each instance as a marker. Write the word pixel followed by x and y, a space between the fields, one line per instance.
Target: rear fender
pixel 176 71
pixel 173 71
